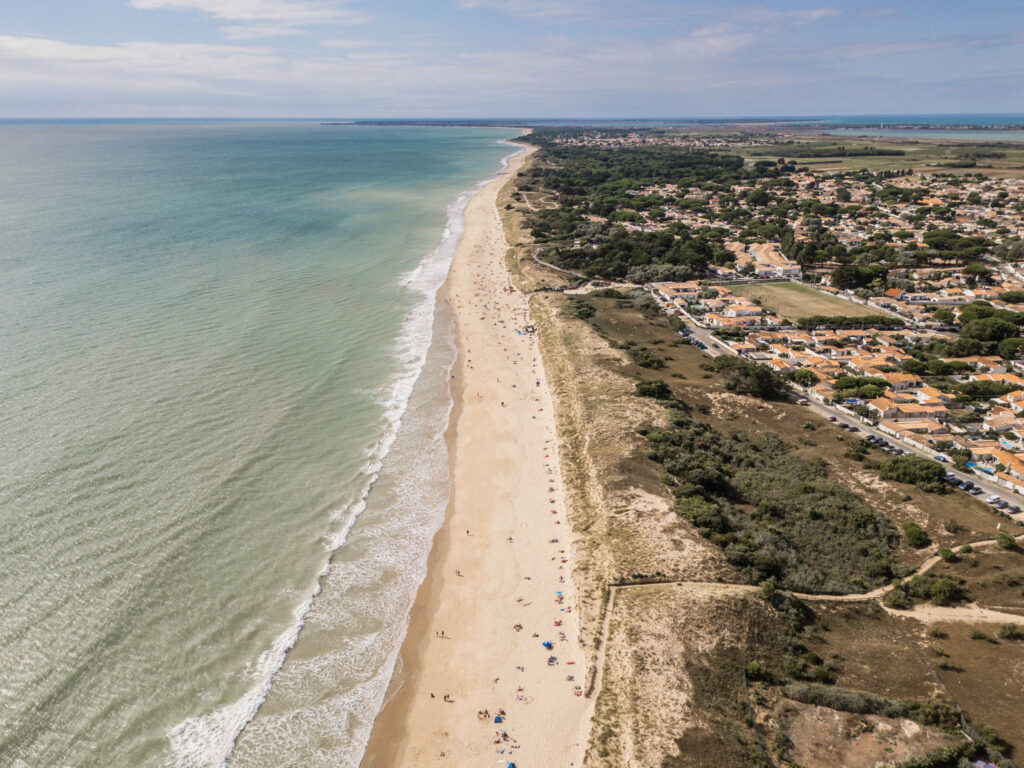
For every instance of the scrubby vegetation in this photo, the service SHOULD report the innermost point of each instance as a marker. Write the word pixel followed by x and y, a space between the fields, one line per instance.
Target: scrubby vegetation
pixel 776 516
pixel 924 711
pixel 926 474
pixel 655 388
pixel 746 378
pixel 915 535
pixel 939 589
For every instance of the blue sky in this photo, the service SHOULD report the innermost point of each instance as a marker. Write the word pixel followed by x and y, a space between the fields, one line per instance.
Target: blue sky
pixel 508 58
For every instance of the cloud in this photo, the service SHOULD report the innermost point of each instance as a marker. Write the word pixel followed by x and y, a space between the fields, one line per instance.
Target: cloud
pixel 714 40
pixel 536 9
pixel 162 65
pixel 258 31
pixel 348 44
pixel 286 12
pixel 798 17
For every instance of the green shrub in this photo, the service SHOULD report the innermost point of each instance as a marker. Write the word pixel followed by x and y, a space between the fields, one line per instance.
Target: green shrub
pixel 898 598
pixel 643 357
pixel 746 378
pixel 915 535
pixel 926 474
pixel 1010 632
pixel 924 711
pixel 655 388
pixel 776 516
pixel 580 308
pixel 1006 541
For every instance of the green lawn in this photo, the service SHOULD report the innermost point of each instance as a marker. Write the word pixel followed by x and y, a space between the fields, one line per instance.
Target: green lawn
pixel 793 301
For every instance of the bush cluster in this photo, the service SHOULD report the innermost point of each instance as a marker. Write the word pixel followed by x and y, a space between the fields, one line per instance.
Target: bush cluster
pixel 746 378
pixel 924 711
pixel 940 590
pixel 926 474
pixel 775 515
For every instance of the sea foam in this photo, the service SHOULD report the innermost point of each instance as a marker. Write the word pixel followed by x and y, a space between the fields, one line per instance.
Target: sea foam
pixel 207 741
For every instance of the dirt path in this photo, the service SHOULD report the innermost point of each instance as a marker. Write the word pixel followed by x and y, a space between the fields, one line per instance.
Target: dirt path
pixel 543 263
pixel 933 614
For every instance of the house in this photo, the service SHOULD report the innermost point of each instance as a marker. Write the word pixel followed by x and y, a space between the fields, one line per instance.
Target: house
pixel 905 411
pixel 901 381
pixel 1002 378
pixel 883 406
pixel 688 291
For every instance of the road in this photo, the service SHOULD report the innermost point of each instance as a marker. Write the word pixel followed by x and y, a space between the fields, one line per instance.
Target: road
pixel 714 349
pixel 988 488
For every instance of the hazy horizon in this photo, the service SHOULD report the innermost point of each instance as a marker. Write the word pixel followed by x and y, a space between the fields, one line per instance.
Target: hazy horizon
pixel 574 59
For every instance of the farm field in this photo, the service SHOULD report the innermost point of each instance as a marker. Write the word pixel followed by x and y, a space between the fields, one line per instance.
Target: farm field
pixel 793 301
pixel 996 159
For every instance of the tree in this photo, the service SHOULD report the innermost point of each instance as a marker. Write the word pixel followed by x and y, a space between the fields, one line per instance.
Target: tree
pixel 1010 348
pixel 748 378
pixel 976 269
pixel 843 195
pixel 916 367
pixel 869 392
pixel 988 329
pixel 803 377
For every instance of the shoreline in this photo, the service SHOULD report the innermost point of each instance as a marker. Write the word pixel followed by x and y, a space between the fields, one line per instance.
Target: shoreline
pixel 501 557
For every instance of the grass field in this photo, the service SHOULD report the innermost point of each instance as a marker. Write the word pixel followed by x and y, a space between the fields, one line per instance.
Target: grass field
pixel 923 156
pixel 793 301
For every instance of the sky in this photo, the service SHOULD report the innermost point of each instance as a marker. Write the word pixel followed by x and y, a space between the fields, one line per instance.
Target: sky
pixel 508 58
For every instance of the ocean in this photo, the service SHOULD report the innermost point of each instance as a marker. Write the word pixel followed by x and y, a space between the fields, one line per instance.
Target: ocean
pixel 224 384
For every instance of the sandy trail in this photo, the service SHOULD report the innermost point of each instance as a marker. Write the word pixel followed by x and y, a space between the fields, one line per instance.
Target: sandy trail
pixel 499 578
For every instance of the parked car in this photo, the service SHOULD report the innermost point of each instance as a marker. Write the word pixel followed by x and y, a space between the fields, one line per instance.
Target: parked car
pixel 991 499
pixel 974 491
pixel 832 418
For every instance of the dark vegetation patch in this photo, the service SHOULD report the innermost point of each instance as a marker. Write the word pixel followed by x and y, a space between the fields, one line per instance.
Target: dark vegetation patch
pixel 593 182
pixel 926 474
pixel 775 515
pixel 747 378
pixel 936 588
pixel 849 321
pixel 924 711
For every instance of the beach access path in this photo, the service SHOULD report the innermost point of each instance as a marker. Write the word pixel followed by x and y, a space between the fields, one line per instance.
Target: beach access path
pixel 499 582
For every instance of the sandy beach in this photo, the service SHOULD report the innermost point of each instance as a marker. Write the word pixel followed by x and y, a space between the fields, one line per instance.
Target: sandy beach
pixel 493 629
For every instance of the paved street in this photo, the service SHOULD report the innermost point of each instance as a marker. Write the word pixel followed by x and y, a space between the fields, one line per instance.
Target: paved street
pixel 988 488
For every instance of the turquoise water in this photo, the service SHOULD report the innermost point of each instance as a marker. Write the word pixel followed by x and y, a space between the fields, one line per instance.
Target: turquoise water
pixel 214 339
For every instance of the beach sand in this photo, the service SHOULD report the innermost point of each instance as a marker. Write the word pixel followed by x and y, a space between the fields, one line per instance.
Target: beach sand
pixel 499 579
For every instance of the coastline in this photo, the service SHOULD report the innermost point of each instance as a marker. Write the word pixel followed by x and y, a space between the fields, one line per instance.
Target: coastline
pixel 480 585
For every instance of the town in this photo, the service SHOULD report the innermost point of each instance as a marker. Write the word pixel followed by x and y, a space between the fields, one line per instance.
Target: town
pixel 903 351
